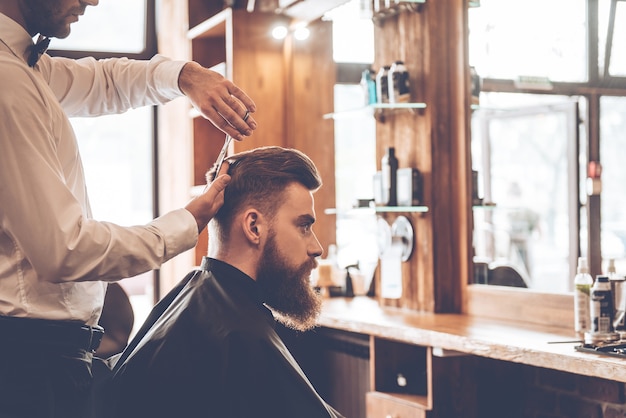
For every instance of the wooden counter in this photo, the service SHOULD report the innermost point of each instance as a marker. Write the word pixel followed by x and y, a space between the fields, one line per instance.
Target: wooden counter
pixel 509 341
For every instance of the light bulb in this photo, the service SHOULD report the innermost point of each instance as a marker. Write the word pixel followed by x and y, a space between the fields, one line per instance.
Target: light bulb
pixel 302 33
pixel 280 32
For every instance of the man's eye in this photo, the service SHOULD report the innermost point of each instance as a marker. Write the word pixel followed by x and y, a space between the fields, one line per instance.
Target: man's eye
pixel 306 227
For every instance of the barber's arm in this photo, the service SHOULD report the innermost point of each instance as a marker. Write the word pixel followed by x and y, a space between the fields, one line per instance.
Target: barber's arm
pixel 47 222
pixel 90 87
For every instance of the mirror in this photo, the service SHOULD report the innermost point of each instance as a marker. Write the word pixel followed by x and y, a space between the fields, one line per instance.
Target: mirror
pixel 526 223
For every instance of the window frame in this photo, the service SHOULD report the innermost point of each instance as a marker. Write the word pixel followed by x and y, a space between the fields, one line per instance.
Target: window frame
pixel 554 309
pixel 150 49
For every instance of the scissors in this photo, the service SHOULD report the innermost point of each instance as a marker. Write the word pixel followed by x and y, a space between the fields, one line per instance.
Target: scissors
pixel 222 155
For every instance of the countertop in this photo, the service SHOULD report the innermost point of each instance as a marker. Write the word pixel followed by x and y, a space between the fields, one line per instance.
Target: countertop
pixel 447 333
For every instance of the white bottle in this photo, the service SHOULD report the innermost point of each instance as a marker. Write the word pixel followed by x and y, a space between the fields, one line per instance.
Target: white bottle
pixel 582 290
pixel 618 288
pixel 398 83
pixel 382 84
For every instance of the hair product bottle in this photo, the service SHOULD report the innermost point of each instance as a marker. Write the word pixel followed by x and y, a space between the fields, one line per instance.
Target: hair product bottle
pixel 582 291
pixel 399 90
pixel 601 306
pixel 382 84
pixel 368 84
pixel 389 168
pixel 618 287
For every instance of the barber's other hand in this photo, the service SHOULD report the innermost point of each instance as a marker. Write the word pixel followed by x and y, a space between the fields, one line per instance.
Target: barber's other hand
pixel 205 206
pixel 218 100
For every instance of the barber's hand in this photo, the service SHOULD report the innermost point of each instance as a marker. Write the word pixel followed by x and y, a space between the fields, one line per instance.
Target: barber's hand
pixel 218 100
pixel 205 206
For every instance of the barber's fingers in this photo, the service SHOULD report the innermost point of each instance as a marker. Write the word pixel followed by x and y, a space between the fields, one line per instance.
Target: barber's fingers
pixel 205 206
pixel 218 99
pixel 215 189
pixel 237 119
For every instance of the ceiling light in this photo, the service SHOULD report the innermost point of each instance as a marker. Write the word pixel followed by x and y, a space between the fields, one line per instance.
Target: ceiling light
pixel 280 32
pixel 302 33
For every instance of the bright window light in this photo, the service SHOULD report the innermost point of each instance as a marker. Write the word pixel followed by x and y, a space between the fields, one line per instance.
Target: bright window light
pixel 95 31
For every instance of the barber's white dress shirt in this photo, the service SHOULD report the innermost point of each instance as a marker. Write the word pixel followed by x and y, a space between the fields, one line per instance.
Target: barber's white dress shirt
pixel 55 259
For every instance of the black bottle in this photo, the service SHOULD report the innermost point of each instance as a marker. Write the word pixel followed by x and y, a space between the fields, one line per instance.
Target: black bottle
pixel 382 84
pixel 349 288
pixel 349 285
pixel 389 168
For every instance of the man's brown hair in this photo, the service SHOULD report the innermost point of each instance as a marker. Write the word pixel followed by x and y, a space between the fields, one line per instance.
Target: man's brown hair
pixel 259 178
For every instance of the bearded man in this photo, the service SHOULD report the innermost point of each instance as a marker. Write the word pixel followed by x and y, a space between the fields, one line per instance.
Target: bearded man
pixel 210 349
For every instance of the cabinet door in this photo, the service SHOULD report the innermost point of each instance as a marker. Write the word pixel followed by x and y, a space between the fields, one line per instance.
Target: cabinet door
pixel 380 405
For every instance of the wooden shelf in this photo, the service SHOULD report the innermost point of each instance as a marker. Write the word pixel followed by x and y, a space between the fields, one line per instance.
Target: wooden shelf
pixel 414 401
pixel 215 26
pixel 381 404
pixel 507 340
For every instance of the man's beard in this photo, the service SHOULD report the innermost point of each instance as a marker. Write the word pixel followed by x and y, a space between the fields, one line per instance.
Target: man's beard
pixel 287 289
pixel 45 17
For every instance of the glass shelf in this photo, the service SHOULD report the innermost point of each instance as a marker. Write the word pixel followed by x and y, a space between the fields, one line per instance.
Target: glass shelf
pixel 377 209
pixel 369 109
pixel 486 205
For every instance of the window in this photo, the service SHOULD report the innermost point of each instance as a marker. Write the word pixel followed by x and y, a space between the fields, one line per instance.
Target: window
pixel 353 33
pixel 112 26
pixel 118 151
pixel 355 138
pixel 613 227
pixel 612 37
pixel 521 150
pixel 510 39
pixel 577 58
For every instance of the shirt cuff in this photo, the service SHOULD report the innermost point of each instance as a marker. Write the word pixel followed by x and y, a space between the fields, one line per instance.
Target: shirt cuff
pixel 179 230
pixel 167 72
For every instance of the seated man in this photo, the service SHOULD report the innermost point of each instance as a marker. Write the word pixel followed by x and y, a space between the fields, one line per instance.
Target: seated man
pixel 209 348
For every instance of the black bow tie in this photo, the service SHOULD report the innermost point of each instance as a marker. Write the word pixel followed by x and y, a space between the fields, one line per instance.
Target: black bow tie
pixel 37 50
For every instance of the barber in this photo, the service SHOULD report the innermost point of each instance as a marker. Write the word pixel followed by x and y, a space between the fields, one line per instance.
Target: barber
pixel 55 260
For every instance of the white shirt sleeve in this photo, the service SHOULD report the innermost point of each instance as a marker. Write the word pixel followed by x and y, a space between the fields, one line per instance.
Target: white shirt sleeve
pixel 90 87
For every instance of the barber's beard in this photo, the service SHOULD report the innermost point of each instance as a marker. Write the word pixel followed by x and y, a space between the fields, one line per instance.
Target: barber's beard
pixel 47 18
pixel 287 289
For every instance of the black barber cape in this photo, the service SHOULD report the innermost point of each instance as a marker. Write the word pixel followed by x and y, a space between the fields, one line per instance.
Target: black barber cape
pixel 210 349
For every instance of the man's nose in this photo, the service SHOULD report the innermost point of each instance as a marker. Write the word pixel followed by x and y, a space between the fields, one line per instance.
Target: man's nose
pixel 91 2
pixel 315 249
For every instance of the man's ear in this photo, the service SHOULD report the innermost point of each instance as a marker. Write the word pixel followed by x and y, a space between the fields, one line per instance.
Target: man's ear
pixel 253 226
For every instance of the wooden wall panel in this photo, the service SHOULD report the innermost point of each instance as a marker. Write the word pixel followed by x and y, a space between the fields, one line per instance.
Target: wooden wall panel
pixel 311 78
pixel 403 37
pixel 259 70
pixel 435 140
